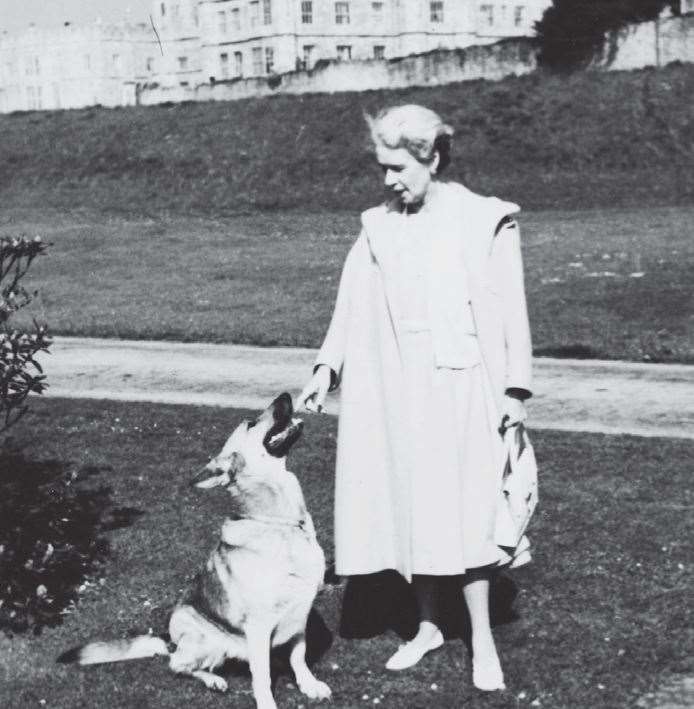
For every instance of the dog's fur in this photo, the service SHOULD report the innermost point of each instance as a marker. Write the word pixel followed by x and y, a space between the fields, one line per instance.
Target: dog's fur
pixel 259 583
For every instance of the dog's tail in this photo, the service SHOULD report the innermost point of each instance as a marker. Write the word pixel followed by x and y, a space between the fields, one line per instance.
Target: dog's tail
pixel 116 650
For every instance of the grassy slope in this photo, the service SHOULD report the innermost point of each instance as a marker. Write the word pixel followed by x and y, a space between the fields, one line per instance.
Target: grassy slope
pixel 602 614
pixel 271 279
pixel 589 140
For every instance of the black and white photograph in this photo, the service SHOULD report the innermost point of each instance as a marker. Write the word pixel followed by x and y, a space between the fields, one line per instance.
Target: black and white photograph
pixel 347 354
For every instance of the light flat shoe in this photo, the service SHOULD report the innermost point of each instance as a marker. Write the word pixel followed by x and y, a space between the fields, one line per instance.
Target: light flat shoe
pixel 411 653
pixel 487 675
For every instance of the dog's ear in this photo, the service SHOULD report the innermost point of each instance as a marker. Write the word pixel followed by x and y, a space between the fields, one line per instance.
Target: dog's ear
pixel 214 474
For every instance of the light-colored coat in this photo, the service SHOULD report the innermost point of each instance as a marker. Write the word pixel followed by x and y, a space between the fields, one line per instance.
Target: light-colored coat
pixel 361 347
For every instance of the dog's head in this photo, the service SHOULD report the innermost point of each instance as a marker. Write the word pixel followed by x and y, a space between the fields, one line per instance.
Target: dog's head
pixel 256 446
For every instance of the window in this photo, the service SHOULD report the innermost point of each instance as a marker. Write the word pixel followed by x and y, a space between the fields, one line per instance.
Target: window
pixel 341 13
pixel 162 7
pixel 487 12
pixel 115 63
pixel 235 19
pixel 87 62
pixel 307 13
pixel 518 15
pixel 257 54
pixel 28 66
pixel 224 64
pixel 149 64
pixel 269 60
pixel 182 63
pixel 174 12
pixel 344 52
pixel 222 21
pixel 267 12
pixel 37 66
pixel 308 50
pixel 377 12
pixel 238 63
pixel 254 13
pixel 436 11
pixel 379 51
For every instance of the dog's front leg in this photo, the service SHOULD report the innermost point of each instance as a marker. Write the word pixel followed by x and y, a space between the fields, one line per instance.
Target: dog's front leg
pixel 258 639
pixel 305 679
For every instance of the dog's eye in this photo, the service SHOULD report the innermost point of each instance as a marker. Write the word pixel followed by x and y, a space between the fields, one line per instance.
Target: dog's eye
pixel 250 424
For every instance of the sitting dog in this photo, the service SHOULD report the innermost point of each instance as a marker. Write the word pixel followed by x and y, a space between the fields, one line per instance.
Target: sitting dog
pixel 261 579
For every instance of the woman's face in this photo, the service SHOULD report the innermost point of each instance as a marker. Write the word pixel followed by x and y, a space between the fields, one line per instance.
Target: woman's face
pixel 404 175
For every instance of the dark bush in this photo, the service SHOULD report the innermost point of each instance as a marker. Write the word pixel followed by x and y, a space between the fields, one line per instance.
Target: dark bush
pixel 571 32
pixel 51 543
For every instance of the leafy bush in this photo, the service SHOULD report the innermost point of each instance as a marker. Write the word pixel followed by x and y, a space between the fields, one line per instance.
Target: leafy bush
pixel 49 540
pixel 20 373
pixel 572 31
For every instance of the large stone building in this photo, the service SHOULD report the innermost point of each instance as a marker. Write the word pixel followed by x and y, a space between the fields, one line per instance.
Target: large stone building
pixel 73 66
pixel 226 39
pixel 193 42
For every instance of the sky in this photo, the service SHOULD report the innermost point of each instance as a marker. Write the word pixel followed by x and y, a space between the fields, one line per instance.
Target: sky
pixel 18 14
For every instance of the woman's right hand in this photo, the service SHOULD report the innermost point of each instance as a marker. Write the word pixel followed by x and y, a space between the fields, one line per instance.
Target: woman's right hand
pixel 313 395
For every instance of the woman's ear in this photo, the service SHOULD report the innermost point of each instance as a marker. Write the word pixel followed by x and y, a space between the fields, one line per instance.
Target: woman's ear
pixel 434 164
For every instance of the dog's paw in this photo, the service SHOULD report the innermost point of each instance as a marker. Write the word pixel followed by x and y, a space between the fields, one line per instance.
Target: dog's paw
pixel 216 683
pixel 315 689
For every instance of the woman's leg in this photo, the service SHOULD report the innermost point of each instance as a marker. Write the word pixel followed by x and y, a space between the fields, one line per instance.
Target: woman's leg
pixel 426 589
pixel 487 672
pixel 429 636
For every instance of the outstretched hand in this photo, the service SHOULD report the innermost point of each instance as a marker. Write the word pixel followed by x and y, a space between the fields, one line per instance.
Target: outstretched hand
pixel 312 398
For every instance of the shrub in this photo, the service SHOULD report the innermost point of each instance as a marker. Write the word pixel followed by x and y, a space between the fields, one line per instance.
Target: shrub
pixel 49 540
pixel 572 31
pixel 20 373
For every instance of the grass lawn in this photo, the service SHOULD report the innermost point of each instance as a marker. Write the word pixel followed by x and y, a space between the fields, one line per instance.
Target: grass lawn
pixel 601 617
pixel 607 283
pixel 591 139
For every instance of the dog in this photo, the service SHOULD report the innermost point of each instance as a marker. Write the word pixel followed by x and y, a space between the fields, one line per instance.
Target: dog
pixel 259 583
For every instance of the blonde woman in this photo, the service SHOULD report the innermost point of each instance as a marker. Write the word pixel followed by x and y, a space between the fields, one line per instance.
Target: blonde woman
pixel 430 344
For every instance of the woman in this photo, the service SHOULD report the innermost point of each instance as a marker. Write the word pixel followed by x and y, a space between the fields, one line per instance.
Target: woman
pixel 430 343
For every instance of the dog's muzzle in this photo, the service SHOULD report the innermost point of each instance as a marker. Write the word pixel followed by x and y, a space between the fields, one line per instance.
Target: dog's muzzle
pixel 285 429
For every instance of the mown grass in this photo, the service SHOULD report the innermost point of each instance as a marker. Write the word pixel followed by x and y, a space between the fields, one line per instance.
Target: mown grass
pixel 609 283
pixel 587 140
pixel 600 618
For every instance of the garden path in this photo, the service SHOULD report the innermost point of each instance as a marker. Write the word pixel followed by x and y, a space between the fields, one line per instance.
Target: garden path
pixel 579 395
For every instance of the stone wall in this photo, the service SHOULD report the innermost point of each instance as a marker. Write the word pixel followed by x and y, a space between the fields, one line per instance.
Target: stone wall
pixel 654 43
pixel 491 61
pixel 646 44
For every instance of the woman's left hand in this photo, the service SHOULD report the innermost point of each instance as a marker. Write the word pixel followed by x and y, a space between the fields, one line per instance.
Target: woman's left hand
pixel 513 412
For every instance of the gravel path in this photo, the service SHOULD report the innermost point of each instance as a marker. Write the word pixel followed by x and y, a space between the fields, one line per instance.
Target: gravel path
pixel 578 395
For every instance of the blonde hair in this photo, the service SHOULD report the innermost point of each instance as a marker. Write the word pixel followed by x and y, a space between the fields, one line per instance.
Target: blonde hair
pixel 419 130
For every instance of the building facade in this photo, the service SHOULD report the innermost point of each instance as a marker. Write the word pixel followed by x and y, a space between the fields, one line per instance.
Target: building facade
pixel 73 66
pixel 243 38
pixel 192 42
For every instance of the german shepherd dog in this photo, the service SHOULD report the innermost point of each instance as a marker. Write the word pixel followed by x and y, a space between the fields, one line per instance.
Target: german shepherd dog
pixel 259 583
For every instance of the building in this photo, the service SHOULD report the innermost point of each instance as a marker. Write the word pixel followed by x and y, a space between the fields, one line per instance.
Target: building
pixel 192 42
pixel 73 66
pixel 218 40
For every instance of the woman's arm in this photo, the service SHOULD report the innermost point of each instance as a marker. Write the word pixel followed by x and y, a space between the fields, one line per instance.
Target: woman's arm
pixel 508 267
pixel 327 370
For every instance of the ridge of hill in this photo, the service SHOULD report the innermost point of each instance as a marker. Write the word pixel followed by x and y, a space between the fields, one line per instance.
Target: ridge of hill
pixel 586 140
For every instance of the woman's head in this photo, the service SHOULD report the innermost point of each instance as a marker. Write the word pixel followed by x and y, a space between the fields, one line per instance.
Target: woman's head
pixel 412 145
